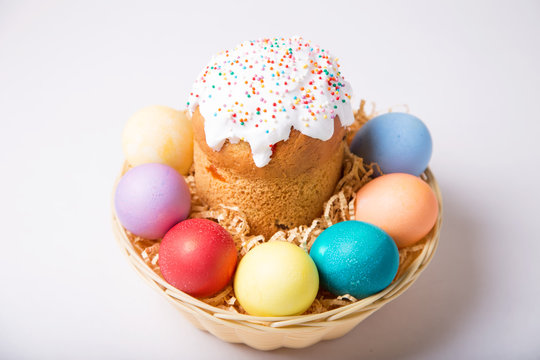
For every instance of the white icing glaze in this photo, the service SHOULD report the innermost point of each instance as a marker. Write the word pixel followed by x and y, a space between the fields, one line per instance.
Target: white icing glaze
pixel 261 89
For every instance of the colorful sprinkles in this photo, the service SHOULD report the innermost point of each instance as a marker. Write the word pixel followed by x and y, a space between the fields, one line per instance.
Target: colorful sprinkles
pixel 257 91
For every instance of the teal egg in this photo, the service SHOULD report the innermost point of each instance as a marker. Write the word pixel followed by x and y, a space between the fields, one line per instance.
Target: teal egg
pixel 356 258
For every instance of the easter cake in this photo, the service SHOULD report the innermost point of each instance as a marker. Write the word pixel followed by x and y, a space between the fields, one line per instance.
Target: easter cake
pixel 269 117
pixel 269 210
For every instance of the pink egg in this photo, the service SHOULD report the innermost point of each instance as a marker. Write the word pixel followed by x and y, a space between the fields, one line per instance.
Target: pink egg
pixel 150 199
pixel 403 205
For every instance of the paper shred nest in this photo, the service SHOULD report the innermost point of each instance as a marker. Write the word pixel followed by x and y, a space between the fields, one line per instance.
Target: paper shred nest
pixel 340 207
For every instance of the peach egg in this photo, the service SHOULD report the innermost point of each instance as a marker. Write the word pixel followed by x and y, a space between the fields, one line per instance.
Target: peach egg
pixel 159 134
pixel 403 205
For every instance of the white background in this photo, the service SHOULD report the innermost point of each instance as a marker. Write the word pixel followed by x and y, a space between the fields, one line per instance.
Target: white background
pixel 72 73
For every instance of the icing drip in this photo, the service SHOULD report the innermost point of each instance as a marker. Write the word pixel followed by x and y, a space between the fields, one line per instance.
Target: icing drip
pixel 261 89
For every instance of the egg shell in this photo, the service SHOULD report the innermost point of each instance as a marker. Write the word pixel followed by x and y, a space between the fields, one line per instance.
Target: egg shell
pixel 397 142
pixel 403 205
pixel 276 279
pixel 198 256
pixel 159 134
pixel 355 258
pixel 150 199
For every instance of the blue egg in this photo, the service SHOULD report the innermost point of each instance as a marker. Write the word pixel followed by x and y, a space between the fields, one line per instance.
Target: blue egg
pixel 356 258
pixel 398 142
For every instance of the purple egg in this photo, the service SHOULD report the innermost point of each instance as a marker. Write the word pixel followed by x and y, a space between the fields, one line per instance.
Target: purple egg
pixel 150 199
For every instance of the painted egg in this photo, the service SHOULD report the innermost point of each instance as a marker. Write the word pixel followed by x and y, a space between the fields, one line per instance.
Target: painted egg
pixel 159 134
pixel 150 199
pixel 403 205
pixel 397 142
pixel 276 279
pixel 355 258
pixel 198 256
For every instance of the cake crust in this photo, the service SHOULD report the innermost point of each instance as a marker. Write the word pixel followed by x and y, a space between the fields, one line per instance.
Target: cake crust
pixel 290 158
pixel 288 192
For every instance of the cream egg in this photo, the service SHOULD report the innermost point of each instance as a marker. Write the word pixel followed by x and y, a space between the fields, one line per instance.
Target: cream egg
pixel 159 134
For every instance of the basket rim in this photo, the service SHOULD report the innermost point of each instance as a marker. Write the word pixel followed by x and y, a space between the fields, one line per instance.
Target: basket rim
pixel 353 310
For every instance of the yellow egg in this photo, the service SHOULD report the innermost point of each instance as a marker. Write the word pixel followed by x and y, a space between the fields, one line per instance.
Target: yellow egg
pixel 159 134
pixel 276 279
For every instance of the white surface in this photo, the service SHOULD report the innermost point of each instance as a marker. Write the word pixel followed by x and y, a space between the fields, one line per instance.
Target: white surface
pixel 72 73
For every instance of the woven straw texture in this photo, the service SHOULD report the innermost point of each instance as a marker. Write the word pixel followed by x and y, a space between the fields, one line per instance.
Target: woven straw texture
pixel 329 317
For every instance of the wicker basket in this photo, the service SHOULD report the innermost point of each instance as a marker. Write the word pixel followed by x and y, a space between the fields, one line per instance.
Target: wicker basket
pixel 267 333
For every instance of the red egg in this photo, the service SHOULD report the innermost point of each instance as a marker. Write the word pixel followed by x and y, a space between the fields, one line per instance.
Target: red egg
pixel 198 257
